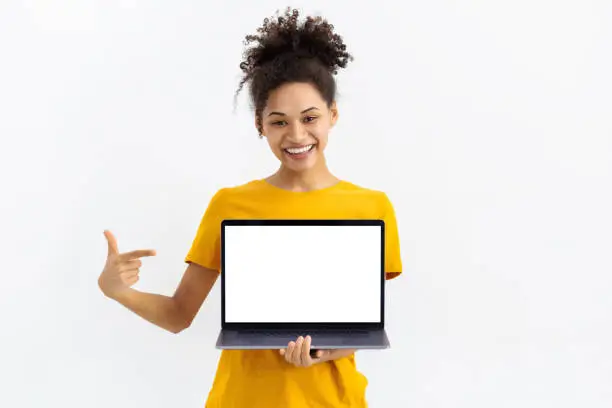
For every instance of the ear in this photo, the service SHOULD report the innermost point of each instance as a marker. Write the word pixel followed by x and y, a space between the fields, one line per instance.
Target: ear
pixel 333 109
pixel 257 128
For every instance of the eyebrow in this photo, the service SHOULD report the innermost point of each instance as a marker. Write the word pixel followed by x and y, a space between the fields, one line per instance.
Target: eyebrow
pixel 283 114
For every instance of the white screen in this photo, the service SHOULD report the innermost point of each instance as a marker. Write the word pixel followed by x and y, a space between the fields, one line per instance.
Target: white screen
pixel 306 273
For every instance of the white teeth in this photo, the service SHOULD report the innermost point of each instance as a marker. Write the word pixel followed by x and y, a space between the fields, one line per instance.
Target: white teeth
pixel 299 150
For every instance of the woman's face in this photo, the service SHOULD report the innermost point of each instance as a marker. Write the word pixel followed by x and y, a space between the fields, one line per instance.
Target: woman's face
pixel 296 122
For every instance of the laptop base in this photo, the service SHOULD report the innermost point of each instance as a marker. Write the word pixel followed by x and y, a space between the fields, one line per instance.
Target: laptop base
pixel 321 339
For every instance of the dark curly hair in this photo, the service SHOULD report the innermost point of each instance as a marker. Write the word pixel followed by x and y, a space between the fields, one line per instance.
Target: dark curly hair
pixel 288 51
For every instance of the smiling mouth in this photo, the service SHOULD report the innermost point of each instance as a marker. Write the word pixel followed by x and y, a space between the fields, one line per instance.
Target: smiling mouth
pixel 299 150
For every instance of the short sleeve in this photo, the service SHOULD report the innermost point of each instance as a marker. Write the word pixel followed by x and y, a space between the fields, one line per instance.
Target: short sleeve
pixel 206 247
pixel 393 260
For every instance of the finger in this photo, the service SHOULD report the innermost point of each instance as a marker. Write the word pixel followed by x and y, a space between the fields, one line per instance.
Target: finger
pixel 306 360
pixel 130 265
pixel 132 280
pixel 140 253
pixel 295 350
pixel 317 356
pixel 282 352
pixel 290 350
pixel 297 354
pixel 129 274
pixel 113 249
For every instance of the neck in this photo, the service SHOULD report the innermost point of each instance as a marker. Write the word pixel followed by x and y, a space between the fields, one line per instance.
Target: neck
pixel 313 179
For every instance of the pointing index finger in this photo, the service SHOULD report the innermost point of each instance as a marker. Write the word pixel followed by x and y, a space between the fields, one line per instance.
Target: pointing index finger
pixel 140 253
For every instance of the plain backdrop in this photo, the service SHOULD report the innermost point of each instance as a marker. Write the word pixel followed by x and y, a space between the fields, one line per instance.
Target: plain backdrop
pixel 488 124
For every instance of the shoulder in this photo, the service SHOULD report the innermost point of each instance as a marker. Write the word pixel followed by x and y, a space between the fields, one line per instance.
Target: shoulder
pixel 365 192
pixel 375 199
pixel 229 193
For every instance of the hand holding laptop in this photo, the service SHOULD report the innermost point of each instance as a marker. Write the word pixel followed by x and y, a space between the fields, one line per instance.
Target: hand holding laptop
pixel 299 353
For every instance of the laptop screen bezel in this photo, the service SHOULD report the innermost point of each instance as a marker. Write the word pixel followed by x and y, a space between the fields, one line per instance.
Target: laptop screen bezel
pixel 304 325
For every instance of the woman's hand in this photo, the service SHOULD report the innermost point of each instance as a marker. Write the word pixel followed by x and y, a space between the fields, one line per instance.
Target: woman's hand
pixel 298 353
pixel 121 270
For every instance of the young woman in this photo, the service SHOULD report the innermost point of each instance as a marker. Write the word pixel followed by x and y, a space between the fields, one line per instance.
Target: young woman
pixel 290 71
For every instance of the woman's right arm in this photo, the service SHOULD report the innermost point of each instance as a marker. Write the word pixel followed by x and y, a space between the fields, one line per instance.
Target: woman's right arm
pixel 173 313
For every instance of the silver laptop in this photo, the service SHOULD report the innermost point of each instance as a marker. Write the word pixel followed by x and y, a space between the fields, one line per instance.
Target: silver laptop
pixel 281 279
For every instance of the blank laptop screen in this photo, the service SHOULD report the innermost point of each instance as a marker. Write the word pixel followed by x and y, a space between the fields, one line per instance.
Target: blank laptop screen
pixel 302 273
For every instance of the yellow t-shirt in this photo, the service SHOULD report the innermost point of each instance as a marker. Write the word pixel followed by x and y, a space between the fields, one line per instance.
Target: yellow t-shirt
pixel 262 378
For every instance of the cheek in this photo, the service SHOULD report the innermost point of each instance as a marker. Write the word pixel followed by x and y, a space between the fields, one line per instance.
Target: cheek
pixel 275 146
pixel 321 134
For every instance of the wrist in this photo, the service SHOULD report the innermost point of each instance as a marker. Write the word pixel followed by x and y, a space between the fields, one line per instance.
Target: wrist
pixel 338 354
pixel 118 294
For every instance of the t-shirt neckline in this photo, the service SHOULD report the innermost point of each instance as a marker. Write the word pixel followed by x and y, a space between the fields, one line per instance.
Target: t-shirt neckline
pixel 309 192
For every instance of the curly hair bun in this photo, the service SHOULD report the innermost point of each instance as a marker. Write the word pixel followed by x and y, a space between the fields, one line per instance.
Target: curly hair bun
pixel 284 36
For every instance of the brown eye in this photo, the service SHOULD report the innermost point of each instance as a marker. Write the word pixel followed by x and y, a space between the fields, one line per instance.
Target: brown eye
pixel 310 118
pixel 279 123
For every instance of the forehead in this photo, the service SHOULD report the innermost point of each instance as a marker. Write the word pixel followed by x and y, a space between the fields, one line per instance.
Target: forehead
pixel 293 98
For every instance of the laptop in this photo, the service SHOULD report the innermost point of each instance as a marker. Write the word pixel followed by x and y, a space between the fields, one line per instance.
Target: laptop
pixel 281 279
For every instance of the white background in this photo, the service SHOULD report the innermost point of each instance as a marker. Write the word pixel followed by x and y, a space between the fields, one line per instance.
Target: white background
pixel 486 122
pixel 308 273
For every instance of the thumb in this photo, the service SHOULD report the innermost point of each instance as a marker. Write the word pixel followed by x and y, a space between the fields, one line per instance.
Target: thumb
pixel 112 243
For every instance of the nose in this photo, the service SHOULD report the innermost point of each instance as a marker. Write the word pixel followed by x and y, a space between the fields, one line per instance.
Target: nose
pixel 296 133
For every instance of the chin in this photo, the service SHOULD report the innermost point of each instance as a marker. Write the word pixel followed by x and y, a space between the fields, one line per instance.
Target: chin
pixel 299 168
